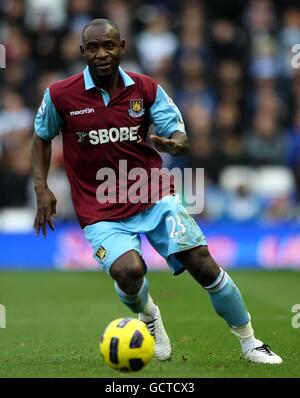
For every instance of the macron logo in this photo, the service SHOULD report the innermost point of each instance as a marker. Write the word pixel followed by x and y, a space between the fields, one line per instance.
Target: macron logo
pixel 82 111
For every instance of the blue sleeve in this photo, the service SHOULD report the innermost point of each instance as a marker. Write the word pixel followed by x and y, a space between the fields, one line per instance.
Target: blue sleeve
pixel 165 115
pixel 48 121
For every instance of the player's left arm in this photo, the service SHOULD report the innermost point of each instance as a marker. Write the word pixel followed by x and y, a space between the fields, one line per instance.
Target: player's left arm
pixel 170 130
pixel 176 145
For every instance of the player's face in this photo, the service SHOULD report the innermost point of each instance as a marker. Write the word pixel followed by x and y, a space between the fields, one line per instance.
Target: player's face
pixel 102 50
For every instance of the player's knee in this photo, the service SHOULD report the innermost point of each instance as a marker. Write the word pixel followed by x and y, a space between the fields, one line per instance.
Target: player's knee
pixel 130 279
pixel 201 265
pixel 134 273
pixel 128 273
pixel 204 261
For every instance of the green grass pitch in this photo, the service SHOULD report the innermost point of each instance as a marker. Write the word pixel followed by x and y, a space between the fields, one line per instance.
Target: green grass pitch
pixel 54 320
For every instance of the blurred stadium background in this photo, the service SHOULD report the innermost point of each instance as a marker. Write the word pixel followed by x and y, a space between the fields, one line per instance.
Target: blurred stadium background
pixel 227 65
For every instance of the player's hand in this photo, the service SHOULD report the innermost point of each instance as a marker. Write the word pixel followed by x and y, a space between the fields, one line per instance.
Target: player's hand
pixel 170 145
pixel 46 210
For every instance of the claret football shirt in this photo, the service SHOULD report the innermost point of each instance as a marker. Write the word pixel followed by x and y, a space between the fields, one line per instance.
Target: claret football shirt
pixel 104 141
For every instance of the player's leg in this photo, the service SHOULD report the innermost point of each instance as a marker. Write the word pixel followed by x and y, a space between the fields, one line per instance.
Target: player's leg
pixel 132 288
pixel 117 248
pixel 181 242
pixel 227 301
pixel 128 272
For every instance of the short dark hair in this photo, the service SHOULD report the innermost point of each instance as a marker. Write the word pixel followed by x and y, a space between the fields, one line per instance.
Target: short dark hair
pixel 99 22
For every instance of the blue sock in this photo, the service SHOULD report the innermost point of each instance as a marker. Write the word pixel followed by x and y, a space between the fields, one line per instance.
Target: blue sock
pixel 135 302
pixel 227 300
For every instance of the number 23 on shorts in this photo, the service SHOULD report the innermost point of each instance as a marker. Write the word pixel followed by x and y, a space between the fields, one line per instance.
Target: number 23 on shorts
pixel 177 227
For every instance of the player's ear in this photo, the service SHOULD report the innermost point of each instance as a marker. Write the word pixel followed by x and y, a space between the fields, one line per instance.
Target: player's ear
pixel 123 44
pixel 83 52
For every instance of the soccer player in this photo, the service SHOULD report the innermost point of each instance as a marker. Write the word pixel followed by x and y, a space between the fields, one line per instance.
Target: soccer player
pixel 104 114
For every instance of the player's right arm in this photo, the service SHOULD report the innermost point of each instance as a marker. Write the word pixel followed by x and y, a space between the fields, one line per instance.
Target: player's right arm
pixel 47 125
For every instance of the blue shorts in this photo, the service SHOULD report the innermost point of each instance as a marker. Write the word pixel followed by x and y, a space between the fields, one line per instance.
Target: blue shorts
pixel 166 224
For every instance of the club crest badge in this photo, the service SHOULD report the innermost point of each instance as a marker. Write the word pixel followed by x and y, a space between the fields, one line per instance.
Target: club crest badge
pixel 136 108
pixel 101 253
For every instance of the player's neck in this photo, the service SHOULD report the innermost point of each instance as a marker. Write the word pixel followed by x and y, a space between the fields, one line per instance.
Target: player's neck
pixel 107 83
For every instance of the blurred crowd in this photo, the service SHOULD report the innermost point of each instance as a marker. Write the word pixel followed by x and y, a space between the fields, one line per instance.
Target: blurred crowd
pixel 227 65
